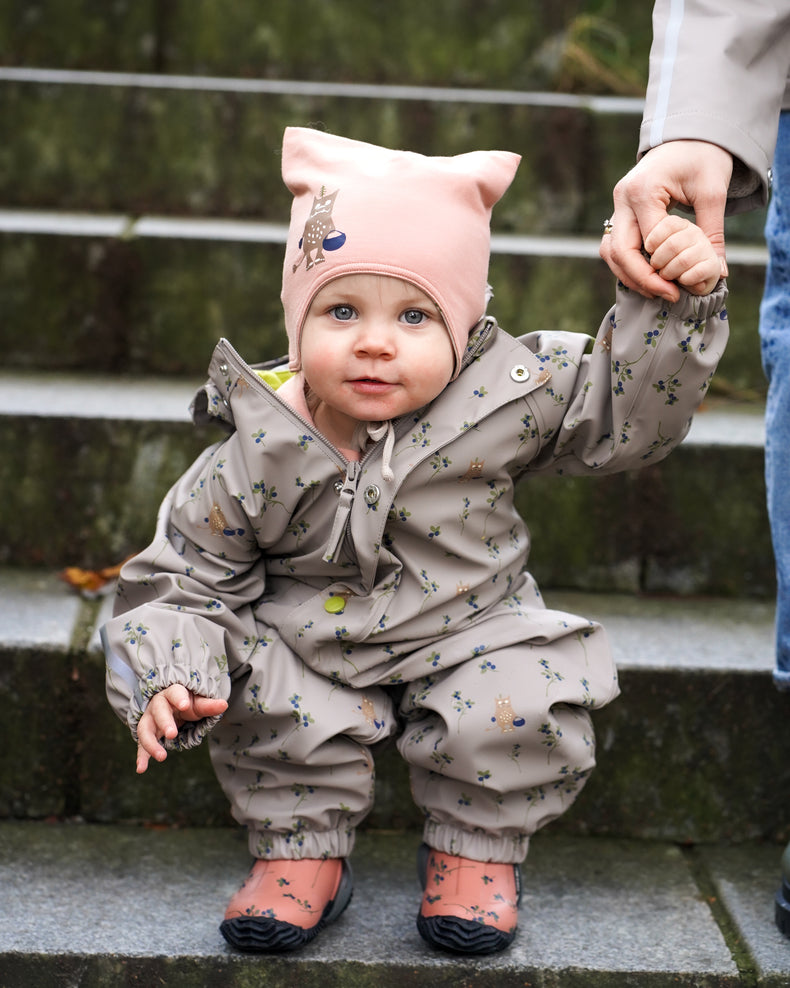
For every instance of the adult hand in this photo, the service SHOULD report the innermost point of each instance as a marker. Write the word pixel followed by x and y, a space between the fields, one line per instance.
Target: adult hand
pixel 694 173
pixel 167 710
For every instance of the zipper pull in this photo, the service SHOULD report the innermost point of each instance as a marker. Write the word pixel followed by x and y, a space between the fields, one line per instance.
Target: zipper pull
pixel 347 493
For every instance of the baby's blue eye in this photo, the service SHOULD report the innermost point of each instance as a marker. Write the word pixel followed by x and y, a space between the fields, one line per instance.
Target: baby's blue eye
pixel 342 312
pixel 413 317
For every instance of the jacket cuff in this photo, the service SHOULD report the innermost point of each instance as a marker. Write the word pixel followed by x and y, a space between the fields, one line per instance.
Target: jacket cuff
pixel 191 733
pixel 700 307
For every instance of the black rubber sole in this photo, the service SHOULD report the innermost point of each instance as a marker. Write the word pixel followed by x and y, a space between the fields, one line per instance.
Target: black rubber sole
pixel 263 935
pixel 462 936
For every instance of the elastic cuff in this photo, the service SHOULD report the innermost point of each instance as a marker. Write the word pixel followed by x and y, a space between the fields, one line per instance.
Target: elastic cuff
pixel 699 307
pixel 192 733
pixel 476 845
pixel 321 844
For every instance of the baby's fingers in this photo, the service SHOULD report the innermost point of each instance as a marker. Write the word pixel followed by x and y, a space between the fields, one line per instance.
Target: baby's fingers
pixel 673 228
pixel 697 267
pixel 680 252
pixel 142 759
pixel 148 747
pixel 702 278
pixel 158 721
pixel 148 735
pixel 204 706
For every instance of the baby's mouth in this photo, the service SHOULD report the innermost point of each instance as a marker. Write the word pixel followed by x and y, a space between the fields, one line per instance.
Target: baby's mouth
pixel 371 383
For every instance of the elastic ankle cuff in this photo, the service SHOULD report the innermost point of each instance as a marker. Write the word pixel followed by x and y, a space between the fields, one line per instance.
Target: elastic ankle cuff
pixel 322 844
pixel 475 845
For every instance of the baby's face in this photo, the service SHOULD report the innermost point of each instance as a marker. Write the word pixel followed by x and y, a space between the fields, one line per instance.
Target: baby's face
pixel 373 348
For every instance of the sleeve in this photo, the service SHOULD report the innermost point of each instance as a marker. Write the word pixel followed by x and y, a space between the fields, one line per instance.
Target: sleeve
pixel 629 398
pixel 183 608
pixel 718 73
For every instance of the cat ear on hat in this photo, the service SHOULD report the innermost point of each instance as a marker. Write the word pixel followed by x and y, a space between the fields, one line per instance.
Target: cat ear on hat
pixel 306 150
pixel 491 171
pixel 308 153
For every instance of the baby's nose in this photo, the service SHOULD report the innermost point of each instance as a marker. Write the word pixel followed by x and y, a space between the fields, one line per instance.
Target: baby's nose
pixel 375 338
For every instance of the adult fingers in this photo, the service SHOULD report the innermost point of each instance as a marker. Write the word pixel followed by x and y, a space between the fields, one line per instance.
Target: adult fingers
pixel 622 250
pixel 705 188
pixel 710 219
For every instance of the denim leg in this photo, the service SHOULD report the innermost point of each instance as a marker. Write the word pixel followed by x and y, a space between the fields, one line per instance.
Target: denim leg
pixel 775 349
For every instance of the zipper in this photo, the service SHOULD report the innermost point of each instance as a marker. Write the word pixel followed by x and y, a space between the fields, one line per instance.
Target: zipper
pixel 340 524
pixel 482 338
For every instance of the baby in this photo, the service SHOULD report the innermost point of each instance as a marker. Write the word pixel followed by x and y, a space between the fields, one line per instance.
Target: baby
pixel 347 565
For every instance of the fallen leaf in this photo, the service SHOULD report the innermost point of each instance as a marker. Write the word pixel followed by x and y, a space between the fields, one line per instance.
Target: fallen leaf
pixel 91 582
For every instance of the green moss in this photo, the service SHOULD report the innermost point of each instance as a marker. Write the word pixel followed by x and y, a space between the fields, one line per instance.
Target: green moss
pixel 667 770
pixel 584 45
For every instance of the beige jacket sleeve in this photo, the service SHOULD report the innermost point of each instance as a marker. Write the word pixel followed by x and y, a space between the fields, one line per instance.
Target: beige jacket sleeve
pixel 719 73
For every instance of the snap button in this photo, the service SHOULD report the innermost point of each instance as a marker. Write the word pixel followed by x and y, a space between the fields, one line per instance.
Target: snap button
pixel 372 494
pixel 519 373
pixel 336 604
pixel 337 486
pixel 223 368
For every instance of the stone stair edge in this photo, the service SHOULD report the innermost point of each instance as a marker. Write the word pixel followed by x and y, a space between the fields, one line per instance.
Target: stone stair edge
pixel 41 611
pixel 708 920
pixel 58 394
pixel 698 717
pixel 219 229
pixel 600 104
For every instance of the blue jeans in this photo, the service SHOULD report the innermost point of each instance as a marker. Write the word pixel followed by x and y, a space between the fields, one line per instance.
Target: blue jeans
pixel 775 348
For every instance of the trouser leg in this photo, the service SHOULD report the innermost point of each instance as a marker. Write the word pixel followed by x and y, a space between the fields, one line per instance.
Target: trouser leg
pixel 503 743
pixel 292 755
pixel 775 348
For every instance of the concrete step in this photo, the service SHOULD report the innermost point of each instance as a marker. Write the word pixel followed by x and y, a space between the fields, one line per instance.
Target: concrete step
pixel 207 146
pixel 95 906
pixel 121 442
pixel 688 753
pixel 152 294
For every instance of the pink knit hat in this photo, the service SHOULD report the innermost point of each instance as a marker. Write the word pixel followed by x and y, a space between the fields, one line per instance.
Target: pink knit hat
pixel 359 208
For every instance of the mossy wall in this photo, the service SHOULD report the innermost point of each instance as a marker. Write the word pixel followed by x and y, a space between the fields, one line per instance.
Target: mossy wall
pixel 570 45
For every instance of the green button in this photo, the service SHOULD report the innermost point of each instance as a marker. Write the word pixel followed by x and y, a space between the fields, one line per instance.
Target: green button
pixel 335 605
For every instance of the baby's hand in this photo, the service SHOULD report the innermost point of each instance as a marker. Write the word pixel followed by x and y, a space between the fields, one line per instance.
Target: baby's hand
pixel 681 252
pixel 167 710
